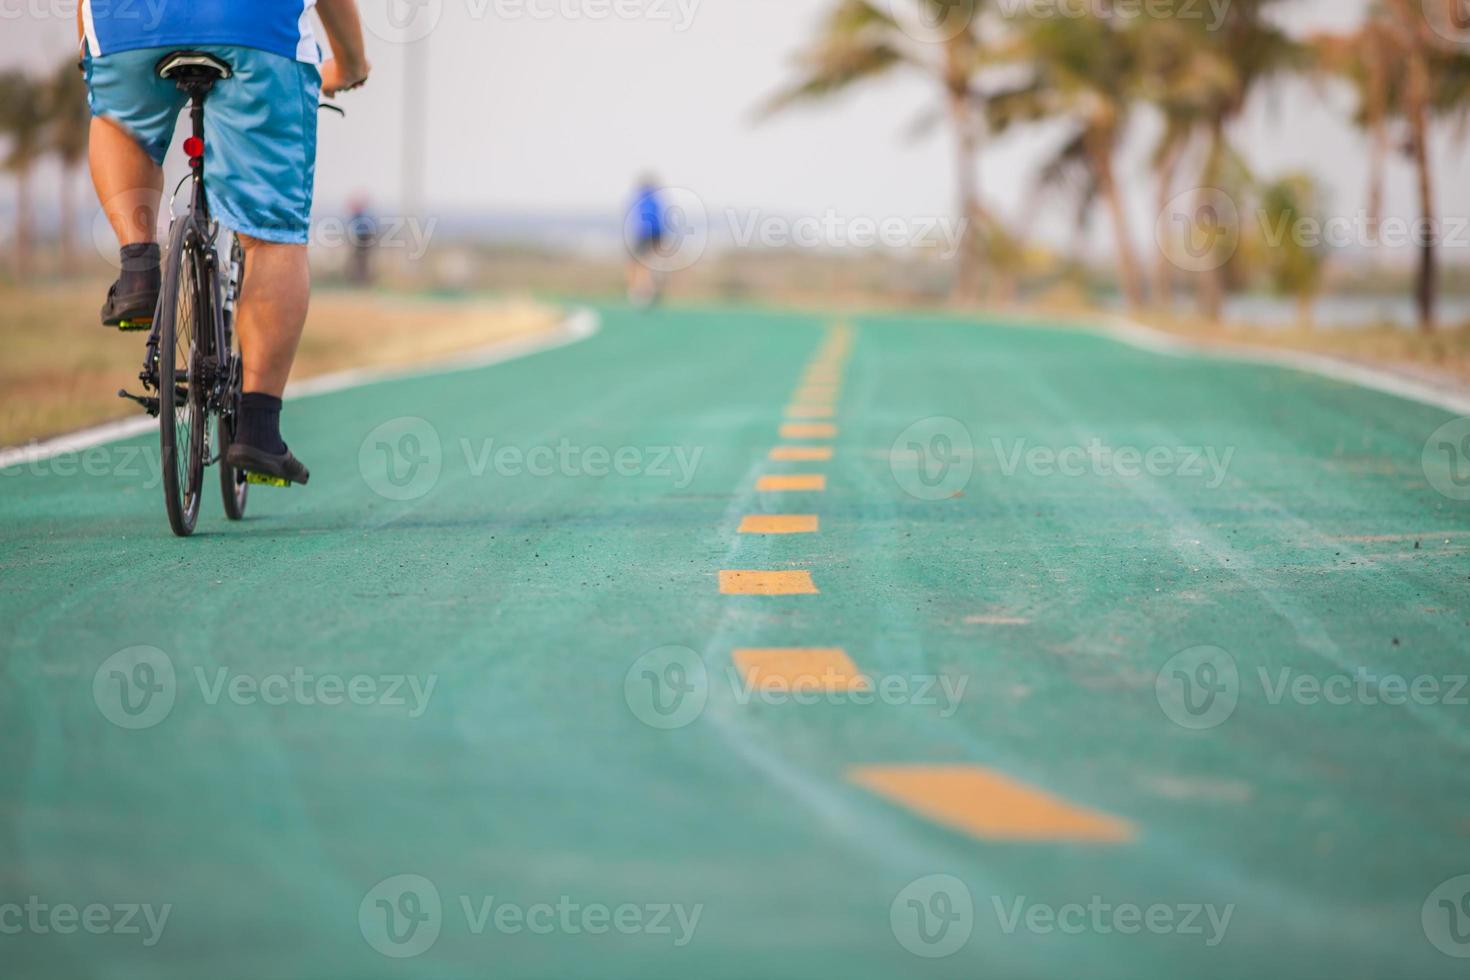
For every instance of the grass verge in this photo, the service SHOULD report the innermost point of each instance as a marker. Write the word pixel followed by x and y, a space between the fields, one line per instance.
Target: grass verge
pixel 61 370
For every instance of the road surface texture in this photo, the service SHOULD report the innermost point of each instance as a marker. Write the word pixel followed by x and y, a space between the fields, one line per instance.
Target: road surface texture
pixel 736 644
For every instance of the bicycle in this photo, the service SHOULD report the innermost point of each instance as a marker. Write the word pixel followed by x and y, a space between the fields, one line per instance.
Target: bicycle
pixel 192 360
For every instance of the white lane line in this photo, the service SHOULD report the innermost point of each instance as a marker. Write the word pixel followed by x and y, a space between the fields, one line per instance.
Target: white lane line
pixel 576 326
pixel 1156 341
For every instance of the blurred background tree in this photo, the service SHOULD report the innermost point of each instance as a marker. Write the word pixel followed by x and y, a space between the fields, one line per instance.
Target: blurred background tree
pixel 1085 71
pixel 23 122
pixel 1404 74
pixel 861 41
pixel 68 120
pixel 1292 218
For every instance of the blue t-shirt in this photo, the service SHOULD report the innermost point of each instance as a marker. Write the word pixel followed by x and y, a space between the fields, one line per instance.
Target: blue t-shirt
pixel 647 214
pixel 281 27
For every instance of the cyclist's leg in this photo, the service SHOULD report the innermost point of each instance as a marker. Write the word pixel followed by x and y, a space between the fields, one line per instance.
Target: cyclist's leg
pixel 272 311
pixel 259 172
pixel 270 315
pixel 129 183
pixel 134 112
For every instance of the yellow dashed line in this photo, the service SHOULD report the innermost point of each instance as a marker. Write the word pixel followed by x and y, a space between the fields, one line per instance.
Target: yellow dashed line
pixel 800 669
pixel 778 524
pixel 781 482
pixel 815 395
pixel 808 430
pixel 810 411
pixel 747 582
pixel 989 805
pixel 801 454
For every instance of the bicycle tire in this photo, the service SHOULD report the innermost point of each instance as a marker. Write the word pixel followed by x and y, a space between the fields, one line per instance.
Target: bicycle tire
pixel 182 416
pixel 232 483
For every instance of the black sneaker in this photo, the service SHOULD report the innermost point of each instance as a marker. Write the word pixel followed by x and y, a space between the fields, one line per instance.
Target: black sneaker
pixel 278 469
pixel 129 311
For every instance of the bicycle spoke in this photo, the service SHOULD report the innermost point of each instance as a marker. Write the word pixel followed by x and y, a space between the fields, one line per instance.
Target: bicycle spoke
pixel 183 355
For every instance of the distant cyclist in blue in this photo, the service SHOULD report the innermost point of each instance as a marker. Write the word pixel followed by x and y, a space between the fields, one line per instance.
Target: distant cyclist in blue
pixel 259 152
pixel 644 231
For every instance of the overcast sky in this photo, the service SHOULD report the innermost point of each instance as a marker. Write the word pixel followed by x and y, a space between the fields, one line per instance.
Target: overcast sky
pixel 534 105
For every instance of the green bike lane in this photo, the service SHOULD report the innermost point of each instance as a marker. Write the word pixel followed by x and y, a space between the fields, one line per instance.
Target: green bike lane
pixel 526 775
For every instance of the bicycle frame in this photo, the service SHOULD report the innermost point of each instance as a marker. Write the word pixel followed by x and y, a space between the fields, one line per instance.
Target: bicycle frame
pixel 217 367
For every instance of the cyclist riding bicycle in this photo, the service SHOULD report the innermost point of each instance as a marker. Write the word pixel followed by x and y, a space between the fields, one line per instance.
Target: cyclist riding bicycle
pixel 260 153
pixel 644 227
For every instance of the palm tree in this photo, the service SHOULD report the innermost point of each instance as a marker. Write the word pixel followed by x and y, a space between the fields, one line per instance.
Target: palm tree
pixel 1167 157
pixel 1085 70
pixel 862 40
pixel 1222 69
pixel 1179 75
pixel 23 122
pixel 1404 73
pixel 1368 59
pixel 69 120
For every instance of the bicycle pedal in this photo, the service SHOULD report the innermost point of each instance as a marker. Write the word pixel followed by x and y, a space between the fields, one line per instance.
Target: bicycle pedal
pixel 150 405
pixel 265 480
pixel 132 326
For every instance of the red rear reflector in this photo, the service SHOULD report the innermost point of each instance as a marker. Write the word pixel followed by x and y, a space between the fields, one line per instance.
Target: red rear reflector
pixel 194 146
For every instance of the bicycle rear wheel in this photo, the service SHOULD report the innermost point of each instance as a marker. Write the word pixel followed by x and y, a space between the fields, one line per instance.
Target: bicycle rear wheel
pixel 232 483
pixel 182 417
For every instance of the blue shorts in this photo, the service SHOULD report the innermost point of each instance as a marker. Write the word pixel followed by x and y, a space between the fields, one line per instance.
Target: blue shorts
pixel 259 131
